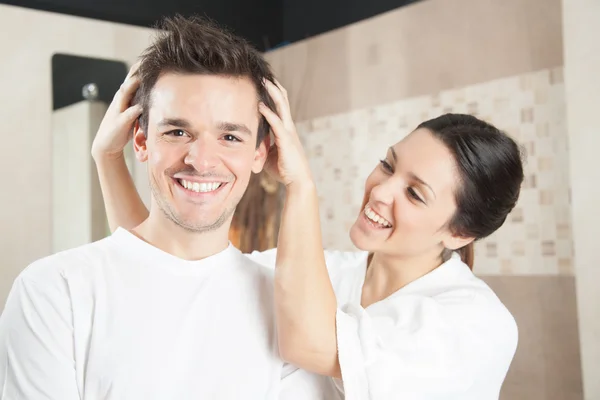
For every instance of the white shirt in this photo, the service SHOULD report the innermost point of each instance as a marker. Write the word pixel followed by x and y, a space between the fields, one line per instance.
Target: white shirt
pixel 120 319
pixel 444 336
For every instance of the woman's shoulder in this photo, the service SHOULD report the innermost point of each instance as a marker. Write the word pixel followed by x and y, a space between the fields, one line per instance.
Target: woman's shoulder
pixel 481 308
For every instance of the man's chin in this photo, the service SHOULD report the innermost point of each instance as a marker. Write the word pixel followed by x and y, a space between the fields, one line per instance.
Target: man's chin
pixel 199 226
pixel 193 222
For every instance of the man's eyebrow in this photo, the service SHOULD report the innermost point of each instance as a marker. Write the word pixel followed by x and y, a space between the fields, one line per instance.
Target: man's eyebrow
pixel 233 127
pixel 179 122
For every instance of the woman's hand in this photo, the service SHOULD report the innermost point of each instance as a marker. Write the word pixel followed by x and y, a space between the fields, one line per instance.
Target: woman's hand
pixel 116 127
pixel 286 161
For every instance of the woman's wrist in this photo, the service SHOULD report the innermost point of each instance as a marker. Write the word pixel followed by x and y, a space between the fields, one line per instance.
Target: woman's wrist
pixel 101 158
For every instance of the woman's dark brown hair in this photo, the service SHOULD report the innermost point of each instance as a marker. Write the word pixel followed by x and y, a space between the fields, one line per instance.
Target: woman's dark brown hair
pixel 491 173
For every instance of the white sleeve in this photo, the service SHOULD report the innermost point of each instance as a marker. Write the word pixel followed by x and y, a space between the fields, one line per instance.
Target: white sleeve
pixel 413 347
pixel 36 344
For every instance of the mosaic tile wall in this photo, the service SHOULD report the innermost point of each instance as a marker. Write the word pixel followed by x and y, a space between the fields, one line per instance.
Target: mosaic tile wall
pixel 536 239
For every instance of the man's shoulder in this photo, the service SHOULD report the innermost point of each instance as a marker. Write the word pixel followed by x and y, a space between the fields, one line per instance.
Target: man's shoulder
pixel 58 265
pixel 260 264
pixel 336 260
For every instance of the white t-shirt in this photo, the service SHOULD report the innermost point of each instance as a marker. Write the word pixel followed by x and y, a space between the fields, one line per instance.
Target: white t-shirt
pixel 121 319
pixel 444 336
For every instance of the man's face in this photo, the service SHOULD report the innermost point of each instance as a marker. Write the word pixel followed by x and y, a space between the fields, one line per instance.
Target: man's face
pixel 200 146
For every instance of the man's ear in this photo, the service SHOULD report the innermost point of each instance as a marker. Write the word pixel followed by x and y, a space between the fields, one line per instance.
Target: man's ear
pixel 260 154
pixel 140 138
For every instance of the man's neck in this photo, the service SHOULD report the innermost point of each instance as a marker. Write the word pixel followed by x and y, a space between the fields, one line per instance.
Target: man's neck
pixel 162 233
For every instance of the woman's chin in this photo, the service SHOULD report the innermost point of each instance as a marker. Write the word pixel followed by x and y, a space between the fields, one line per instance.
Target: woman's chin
pixel 359 239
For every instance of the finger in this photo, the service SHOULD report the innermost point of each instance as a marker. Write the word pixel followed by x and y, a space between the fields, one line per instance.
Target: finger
pixel 277 94
pixel 277 127
pixel 281 88
pixel 281 103
pixel 133 70
pixel 132 113
pixel 126 121
pixel 126 92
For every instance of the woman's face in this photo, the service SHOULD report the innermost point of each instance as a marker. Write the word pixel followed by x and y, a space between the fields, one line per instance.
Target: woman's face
pixel 409 199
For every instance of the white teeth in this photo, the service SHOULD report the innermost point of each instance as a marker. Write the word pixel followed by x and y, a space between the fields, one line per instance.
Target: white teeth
pixel 376 217
pixel 200 187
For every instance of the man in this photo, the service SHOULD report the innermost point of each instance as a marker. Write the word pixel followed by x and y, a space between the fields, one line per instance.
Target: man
pixel 168 310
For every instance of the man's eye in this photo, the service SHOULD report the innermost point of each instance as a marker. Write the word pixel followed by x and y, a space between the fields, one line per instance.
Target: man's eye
pixel 176 133
pixel 231 138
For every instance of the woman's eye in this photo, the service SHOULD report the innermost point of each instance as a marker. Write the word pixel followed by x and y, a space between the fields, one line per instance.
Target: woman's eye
pixel 386 166
pixel 412 193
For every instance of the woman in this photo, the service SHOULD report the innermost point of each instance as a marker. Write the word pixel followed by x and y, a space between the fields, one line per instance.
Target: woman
pixel 404 318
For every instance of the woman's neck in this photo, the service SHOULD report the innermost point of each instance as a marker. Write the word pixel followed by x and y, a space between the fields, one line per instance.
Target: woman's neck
pixel 387 274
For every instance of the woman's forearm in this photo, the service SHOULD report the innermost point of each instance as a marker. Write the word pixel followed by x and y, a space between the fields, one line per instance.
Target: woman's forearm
pixel 304 297
pixel 124 207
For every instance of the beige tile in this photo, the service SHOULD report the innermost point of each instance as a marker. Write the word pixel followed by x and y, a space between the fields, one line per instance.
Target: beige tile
pixel 530 182
pixel 533 231
pixel 546 197
pixel 542 130
pixel 563 231
pixel 516 215
pixel 565 266
pixel 506 267
pixel 529 148
pixel 545 163
pixel 548 248
pixel 527 115
pixel 518 248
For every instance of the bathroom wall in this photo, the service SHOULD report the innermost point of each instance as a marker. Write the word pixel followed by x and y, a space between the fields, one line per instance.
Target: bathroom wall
pixel 26 109
pixel 582 63
pixel 359 89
